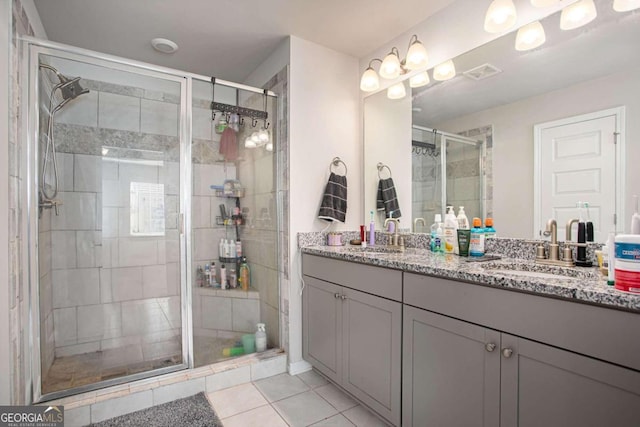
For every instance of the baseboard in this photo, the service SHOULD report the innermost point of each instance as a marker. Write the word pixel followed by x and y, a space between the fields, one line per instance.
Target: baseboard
pixel 296 368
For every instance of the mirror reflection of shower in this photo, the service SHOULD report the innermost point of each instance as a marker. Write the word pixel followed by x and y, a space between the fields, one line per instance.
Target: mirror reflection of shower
pixel 63 91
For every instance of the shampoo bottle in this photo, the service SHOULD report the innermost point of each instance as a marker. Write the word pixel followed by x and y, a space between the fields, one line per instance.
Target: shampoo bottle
pixel 434 232
pixel 476 244
pixel 372 231
pixel 261 338
pixel 450 232
pixel 223 277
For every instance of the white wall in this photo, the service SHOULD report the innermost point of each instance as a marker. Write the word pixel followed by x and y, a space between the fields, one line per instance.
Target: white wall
pixel 513 142
pixel 278 59
pixel 388 135
pixel 5 43
pixel 323 123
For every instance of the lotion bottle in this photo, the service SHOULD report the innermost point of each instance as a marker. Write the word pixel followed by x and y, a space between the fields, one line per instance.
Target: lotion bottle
pixel 450 232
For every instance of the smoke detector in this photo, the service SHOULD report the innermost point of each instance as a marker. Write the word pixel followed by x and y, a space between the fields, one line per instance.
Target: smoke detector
pixel 164 45
pixel 482 72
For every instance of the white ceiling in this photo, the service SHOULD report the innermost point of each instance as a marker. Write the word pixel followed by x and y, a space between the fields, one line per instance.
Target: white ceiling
pixel 224 38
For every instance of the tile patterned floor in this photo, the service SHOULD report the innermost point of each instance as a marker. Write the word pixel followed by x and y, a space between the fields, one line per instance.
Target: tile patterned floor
pixel 304 400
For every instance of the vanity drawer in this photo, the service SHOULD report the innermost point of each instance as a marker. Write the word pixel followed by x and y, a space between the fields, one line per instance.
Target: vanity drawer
pixel 379 281
pixel 603 333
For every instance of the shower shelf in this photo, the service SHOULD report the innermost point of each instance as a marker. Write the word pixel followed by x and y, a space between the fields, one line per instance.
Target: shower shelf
pixel 234 194
pixel 228 260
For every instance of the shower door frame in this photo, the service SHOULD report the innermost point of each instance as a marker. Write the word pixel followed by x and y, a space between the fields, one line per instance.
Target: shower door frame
pixel 32 49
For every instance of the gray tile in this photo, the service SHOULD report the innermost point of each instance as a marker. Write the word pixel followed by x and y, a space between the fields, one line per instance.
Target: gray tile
pixel 336 397
pixel 227 379
pixel 304 409
pixel 280 387
pixel 362 417
pixel 268 368
pixel 259 417
pixel 312 379
pixel 335 421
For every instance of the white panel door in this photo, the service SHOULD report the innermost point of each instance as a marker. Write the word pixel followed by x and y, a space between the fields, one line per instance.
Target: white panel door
pixel 578 163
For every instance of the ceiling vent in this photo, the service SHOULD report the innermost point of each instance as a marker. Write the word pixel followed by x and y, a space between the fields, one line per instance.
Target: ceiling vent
pixel 482 72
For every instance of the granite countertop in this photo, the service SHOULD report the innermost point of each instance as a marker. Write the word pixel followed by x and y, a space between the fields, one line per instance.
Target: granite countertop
pixel 584 285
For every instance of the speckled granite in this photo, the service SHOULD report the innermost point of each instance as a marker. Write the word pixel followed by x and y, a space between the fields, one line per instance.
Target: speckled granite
pixel 579 284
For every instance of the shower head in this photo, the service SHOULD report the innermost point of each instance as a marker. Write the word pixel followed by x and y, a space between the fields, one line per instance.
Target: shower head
pixel 69 87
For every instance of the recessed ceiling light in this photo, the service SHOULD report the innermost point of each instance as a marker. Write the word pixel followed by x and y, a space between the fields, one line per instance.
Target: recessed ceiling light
pixel 164 45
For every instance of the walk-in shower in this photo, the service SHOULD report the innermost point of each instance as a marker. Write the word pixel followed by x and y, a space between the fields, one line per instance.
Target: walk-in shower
pixel 447 169
pixel 128 156
pixel 69 89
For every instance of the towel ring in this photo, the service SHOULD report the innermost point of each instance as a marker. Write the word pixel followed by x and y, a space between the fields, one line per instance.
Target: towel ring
pixel 336 162
pixel 380 167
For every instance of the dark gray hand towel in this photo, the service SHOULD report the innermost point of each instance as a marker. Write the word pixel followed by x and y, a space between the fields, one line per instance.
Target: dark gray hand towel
pixel 334 201
pixel 387 199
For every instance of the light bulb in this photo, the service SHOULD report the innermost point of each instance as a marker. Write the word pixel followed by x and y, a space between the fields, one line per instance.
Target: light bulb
pixel 444 71
pixel 249 143
pixel 578 14
pixel 269 146
pixel 390 67
pixel 397 91
pixel 625 5
pixel 416 56
pixel 500 16
pixel 530 36
pixel 419 79
pixel 544 3
pixel 255 137
pixel 369 81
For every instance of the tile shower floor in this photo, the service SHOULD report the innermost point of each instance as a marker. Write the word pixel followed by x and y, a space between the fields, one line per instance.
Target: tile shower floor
pixel 304 400
pixel 88 368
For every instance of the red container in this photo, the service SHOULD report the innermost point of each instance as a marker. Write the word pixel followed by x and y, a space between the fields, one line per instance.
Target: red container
pixel 628 281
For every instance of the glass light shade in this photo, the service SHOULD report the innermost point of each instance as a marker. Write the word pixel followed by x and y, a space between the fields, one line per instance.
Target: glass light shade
pixel 625 5
pixel 255 137
pixel 263 136
pixel 397 91
pixel 444 71
pixel 530 36
pixel 544 3
pixel 416 56
pixel 578 14
pixel 419 80
pixel 269 146
pixel 249 143
pixel 369 81
pixel 500 16
pixel 390 67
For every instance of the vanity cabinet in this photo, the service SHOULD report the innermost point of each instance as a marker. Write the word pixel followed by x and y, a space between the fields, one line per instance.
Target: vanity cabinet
pixel 460 372
pixel 352 329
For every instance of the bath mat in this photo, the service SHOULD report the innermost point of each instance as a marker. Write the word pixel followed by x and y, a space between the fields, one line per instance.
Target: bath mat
pixel 194 411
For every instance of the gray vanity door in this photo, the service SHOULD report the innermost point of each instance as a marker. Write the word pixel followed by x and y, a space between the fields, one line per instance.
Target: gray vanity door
pixel 546 386
pixel 451 372
pixel 372 349
pixel 322 327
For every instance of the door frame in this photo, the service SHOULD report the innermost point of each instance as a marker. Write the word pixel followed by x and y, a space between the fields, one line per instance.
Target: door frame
pixel 620 168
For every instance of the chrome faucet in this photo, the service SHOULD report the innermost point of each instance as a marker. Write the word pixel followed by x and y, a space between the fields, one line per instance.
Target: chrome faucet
pixel 395 233
pixel 415 224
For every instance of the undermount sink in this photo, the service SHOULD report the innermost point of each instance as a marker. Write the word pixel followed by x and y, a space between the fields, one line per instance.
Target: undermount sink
pixel 541 271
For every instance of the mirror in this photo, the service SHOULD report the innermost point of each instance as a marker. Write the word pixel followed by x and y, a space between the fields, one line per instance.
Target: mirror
pixel 544 121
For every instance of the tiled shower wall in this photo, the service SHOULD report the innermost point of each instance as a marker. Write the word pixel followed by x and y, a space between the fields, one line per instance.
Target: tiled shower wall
pixel 103 275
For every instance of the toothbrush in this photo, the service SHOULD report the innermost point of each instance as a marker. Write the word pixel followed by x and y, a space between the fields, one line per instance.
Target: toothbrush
pixel 589 224
pixel 372 230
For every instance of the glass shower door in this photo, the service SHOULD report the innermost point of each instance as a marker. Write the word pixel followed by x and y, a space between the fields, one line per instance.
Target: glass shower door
pixel 109 197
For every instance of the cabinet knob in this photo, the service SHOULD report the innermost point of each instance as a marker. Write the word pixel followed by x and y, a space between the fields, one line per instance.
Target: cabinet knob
pixel 507 352
pixel 343 297
pixel 336 295
pixel 490 346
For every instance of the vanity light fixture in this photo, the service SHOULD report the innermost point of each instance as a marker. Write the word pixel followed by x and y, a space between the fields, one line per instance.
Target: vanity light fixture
pixel 392 67
pixel 544 3
pixel 397 91
pixel 419 80
pixel 578 14
pixel 444 71
pixel 500 16
pixel 530 36
pixel 625 5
